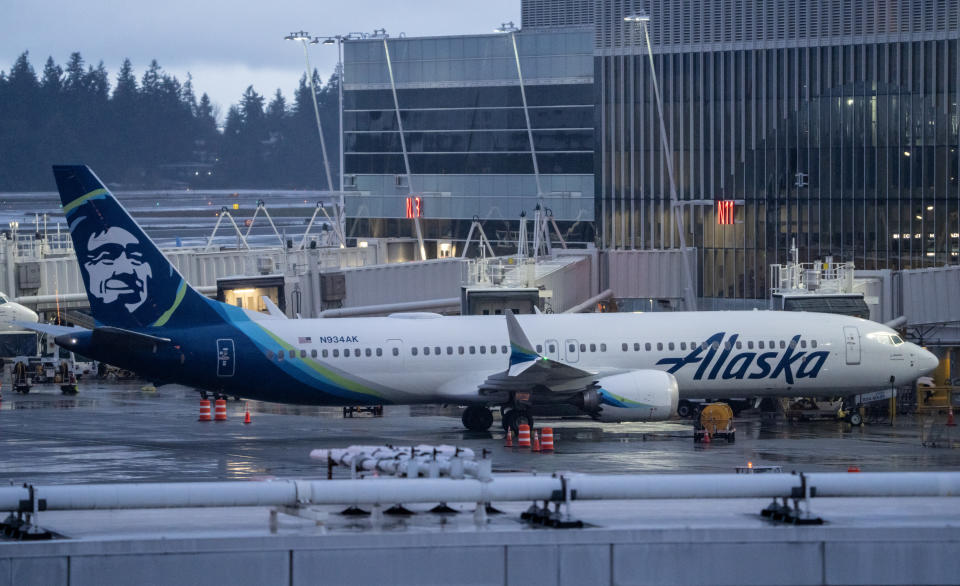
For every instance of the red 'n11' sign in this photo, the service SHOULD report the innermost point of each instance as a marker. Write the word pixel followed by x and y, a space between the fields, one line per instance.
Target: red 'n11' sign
pixel 724 209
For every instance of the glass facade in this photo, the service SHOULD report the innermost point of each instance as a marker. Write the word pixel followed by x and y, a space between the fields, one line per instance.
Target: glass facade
pixel 465 127
pixel 831 124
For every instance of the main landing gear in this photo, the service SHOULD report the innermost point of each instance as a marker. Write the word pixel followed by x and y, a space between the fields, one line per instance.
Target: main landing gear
pixel 512 418
pixel 477 418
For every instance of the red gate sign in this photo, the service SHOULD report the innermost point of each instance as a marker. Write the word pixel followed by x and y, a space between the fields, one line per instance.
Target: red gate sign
pixel 724 209
pixel 414 207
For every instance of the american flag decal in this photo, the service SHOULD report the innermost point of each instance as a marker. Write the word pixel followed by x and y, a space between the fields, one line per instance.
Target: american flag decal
pixel 304 339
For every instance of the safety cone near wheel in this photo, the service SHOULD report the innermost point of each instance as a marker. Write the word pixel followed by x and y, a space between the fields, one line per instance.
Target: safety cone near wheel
pixel 204 410
pixel 950 421
pixel 546 440
pixel 246 416
pixel 523 436
pixel 508 443
pixel 220 410
pixel 536 441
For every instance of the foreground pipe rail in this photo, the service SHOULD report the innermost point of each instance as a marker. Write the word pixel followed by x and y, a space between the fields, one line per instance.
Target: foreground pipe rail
pixel 557 488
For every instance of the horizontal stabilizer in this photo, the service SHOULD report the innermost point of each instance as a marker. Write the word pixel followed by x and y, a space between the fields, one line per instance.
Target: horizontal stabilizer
pixel 51 329
pixel 111 333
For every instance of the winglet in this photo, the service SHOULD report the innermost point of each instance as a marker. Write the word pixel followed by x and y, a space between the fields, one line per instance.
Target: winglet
pixel 275 311
pixel 521 350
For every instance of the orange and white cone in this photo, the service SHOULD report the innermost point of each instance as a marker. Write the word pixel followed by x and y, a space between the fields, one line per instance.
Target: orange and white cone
pixel 508 443
pixel 950 421
pixel 523 436
pixel 220 410
pixel 536 441
pixel 246 416
pixel 204 410
pixel 546 442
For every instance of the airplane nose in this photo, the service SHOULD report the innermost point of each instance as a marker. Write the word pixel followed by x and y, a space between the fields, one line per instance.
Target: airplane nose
pixel 927 361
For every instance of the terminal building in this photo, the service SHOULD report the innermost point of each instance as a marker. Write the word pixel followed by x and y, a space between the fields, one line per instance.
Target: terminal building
pixel 831 124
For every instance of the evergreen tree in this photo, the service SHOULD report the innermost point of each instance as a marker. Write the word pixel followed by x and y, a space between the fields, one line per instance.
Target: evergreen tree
pixel 126 90
pixel 276 110
pixel 19 119
pixel 126 135
pixel 52 78
pixel 73 84
pixel 141 134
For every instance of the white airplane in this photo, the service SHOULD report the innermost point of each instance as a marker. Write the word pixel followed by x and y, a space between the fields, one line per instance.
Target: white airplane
pixel 11 313
pixel 611 367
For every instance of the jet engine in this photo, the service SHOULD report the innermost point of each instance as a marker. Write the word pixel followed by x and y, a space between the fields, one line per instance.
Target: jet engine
pixel 638 395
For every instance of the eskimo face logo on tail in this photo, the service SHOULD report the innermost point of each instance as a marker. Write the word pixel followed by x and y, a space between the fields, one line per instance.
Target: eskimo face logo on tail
pixel 116 270
pixel 129 282
pixel 714 360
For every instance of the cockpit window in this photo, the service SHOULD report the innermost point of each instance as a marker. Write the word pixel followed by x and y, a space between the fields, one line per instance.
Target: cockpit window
pixel 896 340
pixel 3 299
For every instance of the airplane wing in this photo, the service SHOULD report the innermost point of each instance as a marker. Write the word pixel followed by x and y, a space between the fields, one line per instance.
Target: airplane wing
pixel 529 369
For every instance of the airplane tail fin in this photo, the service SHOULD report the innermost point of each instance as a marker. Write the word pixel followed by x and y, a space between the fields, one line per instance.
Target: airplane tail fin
pixel 129 283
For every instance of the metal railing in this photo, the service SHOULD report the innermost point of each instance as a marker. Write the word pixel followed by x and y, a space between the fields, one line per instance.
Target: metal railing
pixel 822 277
pixel 559 489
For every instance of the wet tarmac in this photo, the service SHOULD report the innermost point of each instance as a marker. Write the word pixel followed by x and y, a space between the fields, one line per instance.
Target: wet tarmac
pixel 118 432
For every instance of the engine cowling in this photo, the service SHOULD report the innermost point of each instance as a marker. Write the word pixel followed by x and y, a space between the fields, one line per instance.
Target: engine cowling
pixel 638 395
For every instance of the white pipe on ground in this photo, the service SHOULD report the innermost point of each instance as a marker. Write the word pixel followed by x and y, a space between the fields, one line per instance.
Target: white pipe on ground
pixel 500 489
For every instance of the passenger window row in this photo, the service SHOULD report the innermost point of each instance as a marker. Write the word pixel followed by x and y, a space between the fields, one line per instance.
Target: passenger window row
pixel 326 353
pixel 739 345
pixel 503 349
pixel 437 350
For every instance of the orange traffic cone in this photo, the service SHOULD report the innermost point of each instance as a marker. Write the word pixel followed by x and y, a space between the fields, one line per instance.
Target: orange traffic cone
pixel 536 441
pixel 509 441
pixel 246 417
pixel 220 410
pixel 204 410
pixel 523 436
pixel 950 421
pixel 546 444
pixel 706 436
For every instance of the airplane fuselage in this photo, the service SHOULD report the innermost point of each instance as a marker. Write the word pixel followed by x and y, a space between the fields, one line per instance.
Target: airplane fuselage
pixel 418 358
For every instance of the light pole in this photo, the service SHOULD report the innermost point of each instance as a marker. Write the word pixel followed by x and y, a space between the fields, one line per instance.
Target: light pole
pixel 339 39
pixel 303 37
pixel 644 21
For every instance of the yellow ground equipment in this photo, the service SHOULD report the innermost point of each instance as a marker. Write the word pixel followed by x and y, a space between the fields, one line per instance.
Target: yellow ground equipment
pixel 716 421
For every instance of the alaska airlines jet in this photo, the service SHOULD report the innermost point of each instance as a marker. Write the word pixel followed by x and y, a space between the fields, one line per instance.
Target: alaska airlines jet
pixel 611 367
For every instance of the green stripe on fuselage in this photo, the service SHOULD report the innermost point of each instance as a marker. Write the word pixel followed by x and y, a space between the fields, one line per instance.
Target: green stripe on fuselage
pixel 335 378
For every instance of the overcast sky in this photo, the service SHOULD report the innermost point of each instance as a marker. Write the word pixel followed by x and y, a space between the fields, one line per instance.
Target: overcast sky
pixel 226 44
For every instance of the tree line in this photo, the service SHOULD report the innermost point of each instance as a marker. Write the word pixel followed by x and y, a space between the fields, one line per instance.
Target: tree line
pixel 155 132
